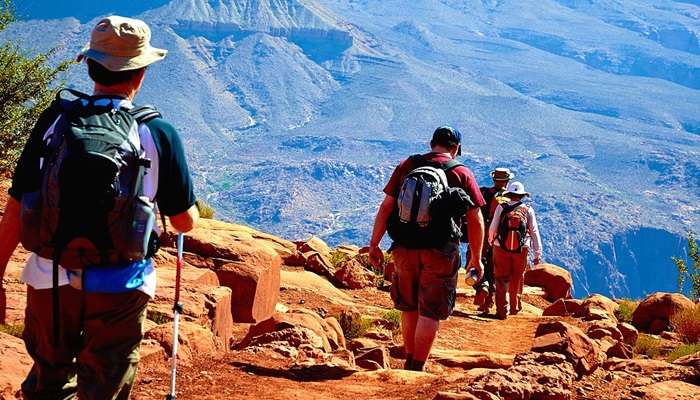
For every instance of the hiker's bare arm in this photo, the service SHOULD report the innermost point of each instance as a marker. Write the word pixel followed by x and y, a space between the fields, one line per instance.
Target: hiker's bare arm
pixel 186 221
pixel 475 226
pixel 9 239
pixel 375 253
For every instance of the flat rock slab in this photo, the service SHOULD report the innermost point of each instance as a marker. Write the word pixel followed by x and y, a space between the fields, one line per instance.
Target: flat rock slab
pixel 471 359
pixel 308 281
pixel 670 390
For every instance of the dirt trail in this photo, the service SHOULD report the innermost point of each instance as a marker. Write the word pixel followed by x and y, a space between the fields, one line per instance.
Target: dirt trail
pixel 242 375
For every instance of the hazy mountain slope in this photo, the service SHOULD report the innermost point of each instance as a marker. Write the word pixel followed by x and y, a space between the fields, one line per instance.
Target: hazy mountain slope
pixel 297 111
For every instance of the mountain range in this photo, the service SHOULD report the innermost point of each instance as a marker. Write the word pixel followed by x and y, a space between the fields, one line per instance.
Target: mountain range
pixel 294 112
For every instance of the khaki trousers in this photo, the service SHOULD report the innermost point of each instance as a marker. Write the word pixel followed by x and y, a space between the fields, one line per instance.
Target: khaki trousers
pixel 508 271
pixel 98 349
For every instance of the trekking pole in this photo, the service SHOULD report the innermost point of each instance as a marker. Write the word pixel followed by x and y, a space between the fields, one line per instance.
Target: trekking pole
pixel 177 309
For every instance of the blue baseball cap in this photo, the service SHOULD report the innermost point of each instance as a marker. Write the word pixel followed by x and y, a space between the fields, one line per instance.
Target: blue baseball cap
pixel 448 136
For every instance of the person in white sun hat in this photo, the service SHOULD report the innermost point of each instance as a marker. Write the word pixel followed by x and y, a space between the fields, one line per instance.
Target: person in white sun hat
pixel 514 235
pixel 84 314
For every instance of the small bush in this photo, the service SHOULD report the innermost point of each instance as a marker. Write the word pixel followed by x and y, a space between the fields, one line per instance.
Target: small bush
pixel 158 317
pixel 393 319
pixel 627 307
pixel 687 324
pixel 354 325
pixel 648 345
pixel 338 257
pixel 682 351
pixel 12 330
pixel 205 210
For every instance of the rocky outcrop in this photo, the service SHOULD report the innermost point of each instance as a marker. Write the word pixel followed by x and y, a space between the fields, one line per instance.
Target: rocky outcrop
pixel 194 340
pixel 598 307
pixel 352 275
pixel 560 337
pixel 533 376
pixel 629 333
pixel 245 260
pixel 203 300
pixel 288 322
pixel 555 280
pixel 373 359
pixel 563 308
pixel 654 313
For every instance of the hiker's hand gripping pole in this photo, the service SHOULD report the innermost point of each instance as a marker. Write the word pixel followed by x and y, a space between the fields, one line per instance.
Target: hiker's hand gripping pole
pixel 177 309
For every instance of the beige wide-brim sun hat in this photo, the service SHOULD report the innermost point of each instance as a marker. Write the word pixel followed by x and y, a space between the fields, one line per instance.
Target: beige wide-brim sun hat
pixel 122 44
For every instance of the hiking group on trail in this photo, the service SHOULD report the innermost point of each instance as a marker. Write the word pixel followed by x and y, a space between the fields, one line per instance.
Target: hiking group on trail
pixel 97 169
pixel 428 202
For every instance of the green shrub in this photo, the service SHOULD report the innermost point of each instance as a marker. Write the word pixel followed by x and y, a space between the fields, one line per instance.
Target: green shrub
pixel 648 345
pixel 205 210
pixel 12 330
pixel 26 89
pixel 338 257
pixel 393 319
pixel 158 317
pixel 687 324
pixel 682 351
pixel 627 307
pixel 354 325
pixel 689 272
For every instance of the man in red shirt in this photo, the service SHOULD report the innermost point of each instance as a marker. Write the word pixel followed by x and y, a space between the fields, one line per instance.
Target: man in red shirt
pixel 425 281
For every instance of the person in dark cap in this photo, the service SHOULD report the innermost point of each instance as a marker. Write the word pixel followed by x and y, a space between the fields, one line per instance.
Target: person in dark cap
pixel 425 280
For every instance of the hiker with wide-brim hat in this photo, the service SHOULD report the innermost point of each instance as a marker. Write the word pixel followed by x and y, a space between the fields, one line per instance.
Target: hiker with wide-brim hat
pixel 513 234
pixel 88 285
pixel 493 196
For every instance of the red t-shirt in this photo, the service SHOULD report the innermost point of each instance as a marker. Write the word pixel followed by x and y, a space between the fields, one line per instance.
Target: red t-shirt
pixel 458 177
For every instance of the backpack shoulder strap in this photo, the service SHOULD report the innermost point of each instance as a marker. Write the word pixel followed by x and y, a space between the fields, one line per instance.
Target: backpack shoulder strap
pixel 417 161
pixel 450 165
pixel 145 113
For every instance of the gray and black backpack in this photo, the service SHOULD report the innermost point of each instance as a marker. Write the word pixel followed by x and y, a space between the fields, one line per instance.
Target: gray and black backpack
pixel 427 207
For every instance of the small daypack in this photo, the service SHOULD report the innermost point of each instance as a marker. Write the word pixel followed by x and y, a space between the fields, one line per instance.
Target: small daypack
pixel 426 208
pixel 512 229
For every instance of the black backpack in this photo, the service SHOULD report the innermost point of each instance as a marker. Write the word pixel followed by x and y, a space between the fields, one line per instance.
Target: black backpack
pixel 426 208
pixel 90 210
pixel 512 228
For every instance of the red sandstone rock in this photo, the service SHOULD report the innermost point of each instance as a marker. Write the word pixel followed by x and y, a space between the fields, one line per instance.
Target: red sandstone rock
pixel 555 280
pixel 352 275
pixel 193 339
pixel 654 313
pixel 255 288
pixel 560 337
pixel 14 365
